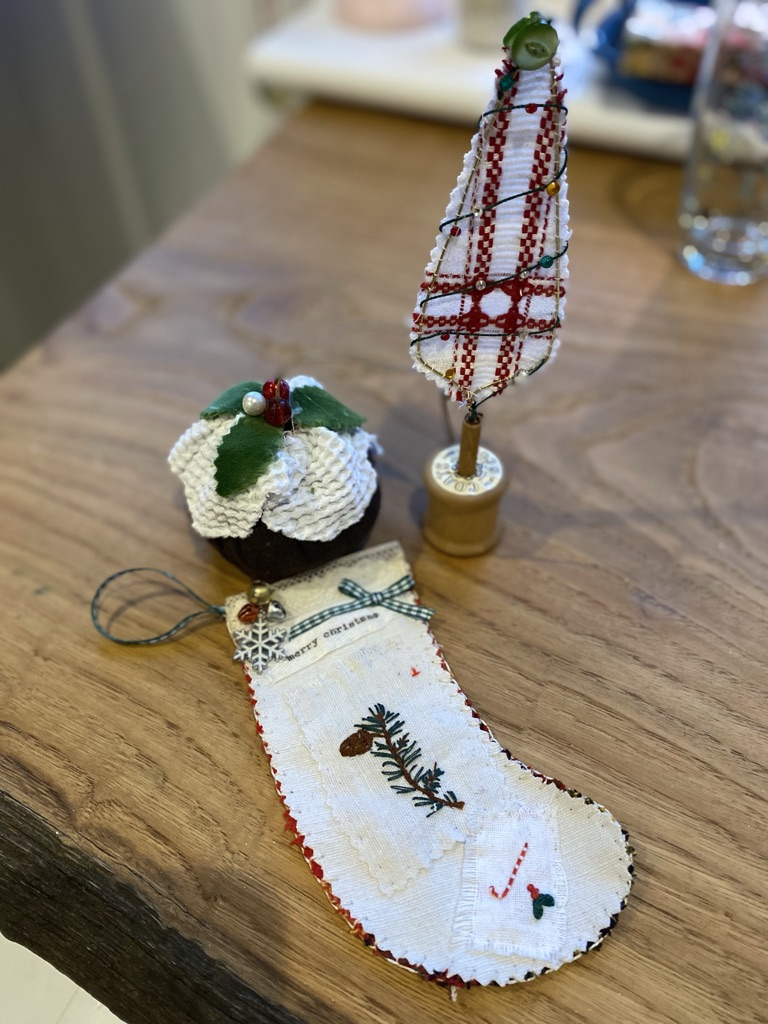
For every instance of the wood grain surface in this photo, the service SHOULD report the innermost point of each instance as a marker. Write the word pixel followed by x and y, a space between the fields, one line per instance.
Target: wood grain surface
pixel 616 638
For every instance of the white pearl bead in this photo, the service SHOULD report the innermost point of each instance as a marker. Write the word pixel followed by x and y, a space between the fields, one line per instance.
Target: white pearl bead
pixel 254 403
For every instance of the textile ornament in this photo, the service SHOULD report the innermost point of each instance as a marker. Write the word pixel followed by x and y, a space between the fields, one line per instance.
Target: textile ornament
pixel 284 453
pixel 493 292
pixel 443 852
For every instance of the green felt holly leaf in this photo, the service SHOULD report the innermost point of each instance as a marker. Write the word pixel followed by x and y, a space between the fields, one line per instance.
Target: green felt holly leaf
pixel 245 453
pixel 230 402
pixel 547 900
pixel 314 407
pixel 538 910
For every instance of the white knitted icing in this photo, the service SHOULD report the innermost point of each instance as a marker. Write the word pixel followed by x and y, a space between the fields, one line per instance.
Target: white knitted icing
pixel 320 482
pixel 333 492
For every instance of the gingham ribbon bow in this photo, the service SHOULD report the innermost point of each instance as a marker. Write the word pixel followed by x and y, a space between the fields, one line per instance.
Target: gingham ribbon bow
pixel 367 599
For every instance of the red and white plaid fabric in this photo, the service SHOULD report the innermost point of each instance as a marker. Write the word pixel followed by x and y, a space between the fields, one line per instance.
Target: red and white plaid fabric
pixel 488 309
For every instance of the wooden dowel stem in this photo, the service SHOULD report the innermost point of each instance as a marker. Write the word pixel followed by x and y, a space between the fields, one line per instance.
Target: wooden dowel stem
pixel 470 440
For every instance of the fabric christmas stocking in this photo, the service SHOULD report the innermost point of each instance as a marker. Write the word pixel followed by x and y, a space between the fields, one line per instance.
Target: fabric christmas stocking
pixel 436 845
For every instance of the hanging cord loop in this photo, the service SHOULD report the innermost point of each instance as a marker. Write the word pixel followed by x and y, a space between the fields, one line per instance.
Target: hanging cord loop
pixel 206 608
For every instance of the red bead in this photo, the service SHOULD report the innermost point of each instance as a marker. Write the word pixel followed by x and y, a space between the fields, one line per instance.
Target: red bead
pixel 278 412
pixel 445 337
pixel 455 230
pixel 277 388
pixel 531 108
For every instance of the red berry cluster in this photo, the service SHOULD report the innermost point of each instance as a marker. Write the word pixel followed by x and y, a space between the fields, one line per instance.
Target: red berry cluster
pixel 277 394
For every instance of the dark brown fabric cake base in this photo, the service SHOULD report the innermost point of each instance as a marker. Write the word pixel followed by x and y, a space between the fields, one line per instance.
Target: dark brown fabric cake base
pixel 269 556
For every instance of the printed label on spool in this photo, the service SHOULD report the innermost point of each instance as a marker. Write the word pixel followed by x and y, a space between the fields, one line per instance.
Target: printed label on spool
pixel 487 474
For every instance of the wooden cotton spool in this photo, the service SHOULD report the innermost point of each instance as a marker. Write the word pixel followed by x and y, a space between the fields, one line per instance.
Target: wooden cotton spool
pixel 465 484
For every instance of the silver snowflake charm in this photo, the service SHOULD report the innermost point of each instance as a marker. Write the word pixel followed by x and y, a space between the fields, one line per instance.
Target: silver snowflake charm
pixel 260 644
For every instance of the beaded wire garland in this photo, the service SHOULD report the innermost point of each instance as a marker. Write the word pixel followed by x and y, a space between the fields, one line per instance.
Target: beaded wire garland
pixel 493 293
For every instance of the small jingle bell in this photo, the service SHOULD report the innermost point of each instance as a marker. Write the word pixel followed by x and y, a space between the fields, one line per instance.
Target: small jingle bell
pixel 248 614
pixel 260 593
pixel 275 612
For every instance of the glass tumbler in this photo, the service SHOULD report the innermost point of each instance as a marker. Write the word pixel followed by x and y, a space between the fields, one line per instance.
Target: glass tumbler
pixel 724 204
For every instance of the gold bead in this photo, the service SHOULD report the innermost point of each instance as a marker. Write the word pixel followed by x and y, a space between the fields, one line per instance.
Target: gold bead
pixel 260 593
pixel 450 373
pixel 553 188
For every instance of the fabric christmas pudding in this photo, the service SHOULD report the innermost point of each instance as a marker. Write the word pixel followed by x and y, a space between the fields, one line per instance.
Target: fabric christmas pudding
pixel 279 476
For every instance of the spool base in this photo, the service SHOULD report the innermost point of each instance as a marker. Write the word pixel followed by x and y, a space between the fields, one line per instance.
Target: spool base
pixel 462 516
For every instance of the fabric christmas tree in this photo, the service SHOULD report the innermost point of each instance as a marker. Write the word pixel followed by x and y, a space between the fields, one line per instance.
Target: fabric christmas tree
pixel 493 292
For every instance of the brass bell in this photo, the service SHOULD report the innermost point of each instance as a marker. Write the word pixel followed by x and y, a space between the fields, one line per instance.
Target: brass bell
pixel 260 593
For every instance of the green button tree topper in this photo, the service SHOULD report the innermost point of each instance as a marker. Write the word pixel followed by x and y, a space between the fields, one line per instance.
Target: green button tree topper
pixel 531 42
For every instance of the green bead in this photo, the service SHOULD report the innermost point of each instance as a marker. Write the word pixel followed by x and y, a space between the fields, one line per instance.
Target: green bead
pixel 546 262
pixel 505 82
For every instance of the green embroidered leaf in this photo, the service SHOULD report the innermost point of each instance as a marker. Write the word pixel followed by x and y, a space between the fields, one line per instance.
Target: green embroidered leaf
pixel 399 754
pixel 314 407
pixel 245 453
pixel 230 402
pixel 547 900
pixel 538 910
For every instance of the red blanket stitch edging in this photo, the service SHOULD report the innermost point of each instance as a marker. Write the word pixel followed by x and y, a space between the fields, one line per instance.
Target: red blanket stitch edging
pixel 440 977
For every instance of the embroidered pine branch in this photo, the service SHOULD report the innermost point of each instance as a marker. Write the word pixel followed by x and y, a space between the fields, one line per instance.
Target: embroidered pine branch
pixel 400 757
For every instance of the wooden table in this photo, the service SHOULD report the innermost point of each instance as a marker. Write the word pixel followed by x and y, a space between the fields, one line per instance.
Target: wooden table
pixel 616 638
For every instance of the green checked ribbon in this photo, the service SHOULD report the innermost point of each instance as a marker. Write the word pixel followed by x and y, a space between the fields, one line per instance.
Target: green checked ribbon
pixel 367 599
pixel 362 598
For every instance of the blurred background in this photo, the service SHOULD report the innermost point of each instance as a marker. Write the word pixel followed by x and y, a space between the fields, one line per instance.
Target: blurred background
pixel 114 116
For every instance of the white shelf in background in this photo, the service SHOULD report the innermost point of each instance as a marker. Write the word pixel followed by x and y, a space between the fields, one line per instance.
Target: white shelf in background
pixel 426 72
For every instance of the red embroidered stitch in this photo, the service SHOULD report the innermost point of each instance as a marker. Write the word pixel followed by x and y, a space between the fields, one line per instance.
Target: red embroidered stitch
pixel 511 881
